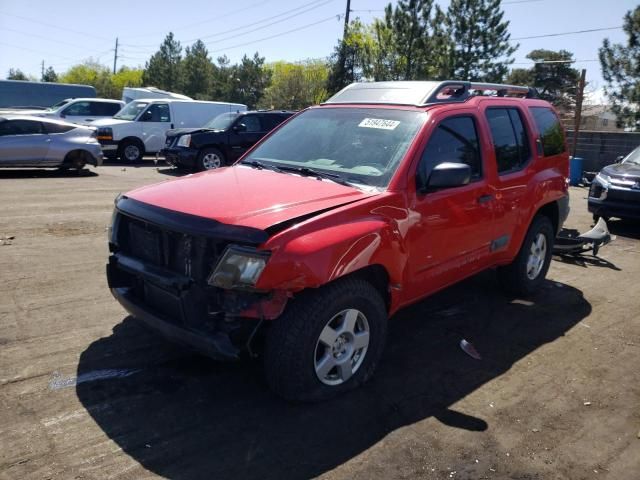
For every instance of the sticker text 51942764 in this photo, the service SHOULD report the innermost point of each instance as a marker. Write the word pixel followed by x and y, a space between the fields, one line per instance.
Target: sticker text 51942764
pixel 379 123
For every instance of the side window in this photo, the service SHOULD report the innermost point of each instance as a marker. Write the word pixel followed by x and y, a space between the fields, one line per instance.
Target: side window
pixel 509 138
pixel 20 127
pixel 252 123
pixel 158 112
pixel 78 109
pixel 454 140
pixel 56 128
pixel 550 130
pixel 272 121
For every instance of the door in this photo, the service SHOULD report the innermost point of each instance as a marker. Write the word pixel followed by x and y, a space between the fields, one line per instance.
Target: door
pixel 78 112
pixel 245 132
pixel 156 120
pixel 452 233
pixel 23 143
pixel 510 154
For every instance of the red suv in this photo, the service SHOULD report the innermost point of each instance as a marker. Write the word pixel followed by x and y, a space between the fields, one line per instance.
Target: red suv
pixel 347 212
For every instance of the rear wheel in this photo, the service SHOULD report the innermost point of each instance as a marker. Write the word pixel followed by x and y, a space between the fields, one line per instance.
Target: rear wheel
pixel 328 341
pixel 210 159
pixel 527 272
pixel 131 151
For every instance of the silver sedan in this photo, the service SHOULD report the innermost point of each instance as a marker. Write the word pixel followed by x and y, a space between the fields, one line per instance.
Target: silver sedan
pixel 27 141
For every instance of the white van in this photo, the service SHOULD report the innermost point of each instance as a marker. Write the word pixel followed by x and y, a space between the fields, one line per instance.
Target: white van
pixel 140 127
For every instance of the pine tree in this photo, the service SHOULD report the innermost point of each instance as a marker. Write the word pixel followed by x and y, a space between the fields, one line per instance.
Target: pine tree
pixel 621 70
pixel 555 82
pixel 16 74
pixel 164 68
pixel 50 75
pixel 411 22
pixel 198 71
pixel 481 37
pixel 249 79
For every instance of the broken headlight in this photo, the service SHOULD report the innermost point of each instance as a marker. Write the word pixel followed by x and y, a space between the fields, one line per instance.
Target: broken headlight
pixel 239 267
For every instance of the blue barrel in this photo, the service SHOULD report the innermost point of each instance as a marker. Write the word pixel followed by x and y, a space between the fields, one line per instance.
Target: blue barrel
pixel 575 170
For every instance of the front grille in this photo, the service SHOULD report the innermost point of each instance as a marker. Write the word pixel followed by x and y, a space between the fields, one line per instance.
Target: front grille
pixel 184 254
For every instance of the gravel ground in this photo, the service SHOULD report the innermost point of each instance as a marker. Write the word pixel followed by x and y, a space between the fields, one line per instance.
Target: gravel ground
pixel 87 393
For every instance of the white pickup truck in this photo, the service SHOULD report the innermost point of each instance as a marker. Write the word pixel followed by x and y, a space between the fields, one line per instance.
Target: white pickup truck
pixel 140 127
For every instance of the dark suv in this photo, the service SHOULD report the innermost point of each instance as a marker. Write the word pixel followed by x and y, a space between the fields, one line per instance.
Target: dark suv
pixel 221 141
pixel 615 192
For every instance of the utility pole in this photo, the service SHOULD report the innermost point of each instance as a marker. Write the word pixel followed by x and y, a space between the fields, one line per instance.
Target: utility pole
pixel 579 97
pixel 115 57
pixel 42 68
pixel 346 20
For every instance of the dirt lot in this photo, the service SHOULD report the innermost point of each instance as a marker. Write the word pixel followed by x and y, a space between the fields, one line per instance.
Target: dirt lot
pixel 87 393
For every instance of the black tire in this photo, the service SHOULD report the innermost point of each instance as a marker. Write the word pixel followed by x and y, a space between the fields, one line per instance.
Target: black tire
pixel 514 277
pixel 292 341
pixel 210 159
pixel 76 160
pixel 131 151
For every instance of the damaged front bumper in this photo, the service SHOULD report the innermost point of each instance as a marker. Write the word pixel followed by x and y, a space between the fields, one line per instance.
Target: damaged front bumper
pixel 217 323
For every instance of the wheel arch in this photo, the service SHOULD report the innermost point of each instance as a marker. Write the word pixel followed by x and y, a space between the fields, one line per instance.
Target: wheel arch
pixel 76 153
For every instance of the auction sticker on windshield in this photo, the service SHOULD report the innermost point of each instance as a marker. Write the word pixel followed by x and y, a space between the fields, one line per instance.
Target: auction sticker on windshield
pixel 379 123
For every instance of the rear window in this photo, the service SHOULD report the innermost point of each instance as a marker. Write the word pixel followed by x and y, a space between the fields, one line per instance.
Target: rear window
pixel 104 109
pixel 550 130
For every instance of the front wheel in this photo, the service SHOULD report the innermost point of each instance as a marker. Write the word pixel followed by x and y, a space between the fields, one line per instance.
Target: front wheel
pixel 131 151
pixel 210 159
pixel 527 272
pixel 328 341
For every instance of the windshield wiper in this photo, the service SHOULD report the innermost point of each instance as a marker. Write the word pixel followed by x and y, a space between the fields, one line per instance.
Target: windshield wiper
pixel 259 165
pixel 310 172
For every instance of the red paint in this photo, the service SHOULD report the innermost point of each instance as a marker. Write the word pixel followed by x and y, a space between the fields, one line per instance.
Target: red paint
pixel 424 242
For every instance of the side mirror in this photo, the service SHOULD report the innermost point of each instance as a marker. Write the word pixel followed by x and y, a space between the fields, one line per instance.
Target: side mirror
pixel 63 115
pixel 619 158
pixel 241 127
pixel 446 175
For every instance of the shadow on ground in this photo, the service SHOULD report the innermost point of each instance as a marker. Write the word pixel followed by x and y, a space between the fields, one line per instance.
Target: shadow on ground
pixel 183 416
pixel 45 173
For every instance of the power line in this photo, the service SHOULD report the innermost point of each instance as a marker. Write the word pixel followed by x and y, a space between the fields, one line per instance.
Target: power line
pixel 84 34
pixel 48 39
pixel 566 33
pixel 313 5
pixel 338 17
pixel 235 12
pixel 267 25
pixel 555 61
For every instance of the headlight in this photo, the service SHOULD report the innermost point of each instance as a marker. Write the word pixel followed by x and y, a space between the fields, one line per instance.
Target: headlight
pixel 184 141
pixel 105 133
pixel 603 178
pixel 239 267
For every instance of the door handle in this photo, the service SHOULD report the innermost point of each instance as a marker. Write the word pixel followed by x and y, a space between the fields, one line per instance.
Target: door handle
pixel 485 198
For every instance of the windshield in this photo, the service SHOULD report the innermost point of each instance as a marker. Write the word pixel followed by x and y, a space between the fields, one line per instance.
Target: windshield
pixel 59 104
pixel 633 157
pixel 359 145
pixel 131 111
pixel 222 121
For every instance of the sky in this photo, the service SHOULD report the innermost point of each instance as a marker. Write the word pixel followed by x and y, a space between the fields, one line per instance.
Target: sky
pixel 66 32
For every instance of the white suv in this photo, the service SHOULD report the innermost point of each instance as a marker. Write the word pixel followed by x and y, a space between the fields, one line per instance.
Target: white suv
pixel 81 110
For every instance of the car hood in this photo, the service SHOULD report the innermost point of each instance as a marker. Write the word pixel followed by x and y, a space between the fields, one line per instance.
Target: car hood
pixel 176 132
pixel 622 169
pixel 242 195
pixel 108 122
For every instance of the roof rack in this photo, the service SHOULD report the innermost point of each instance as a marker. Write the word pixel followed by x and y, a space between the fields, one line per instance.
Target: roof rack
pixel 423 93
